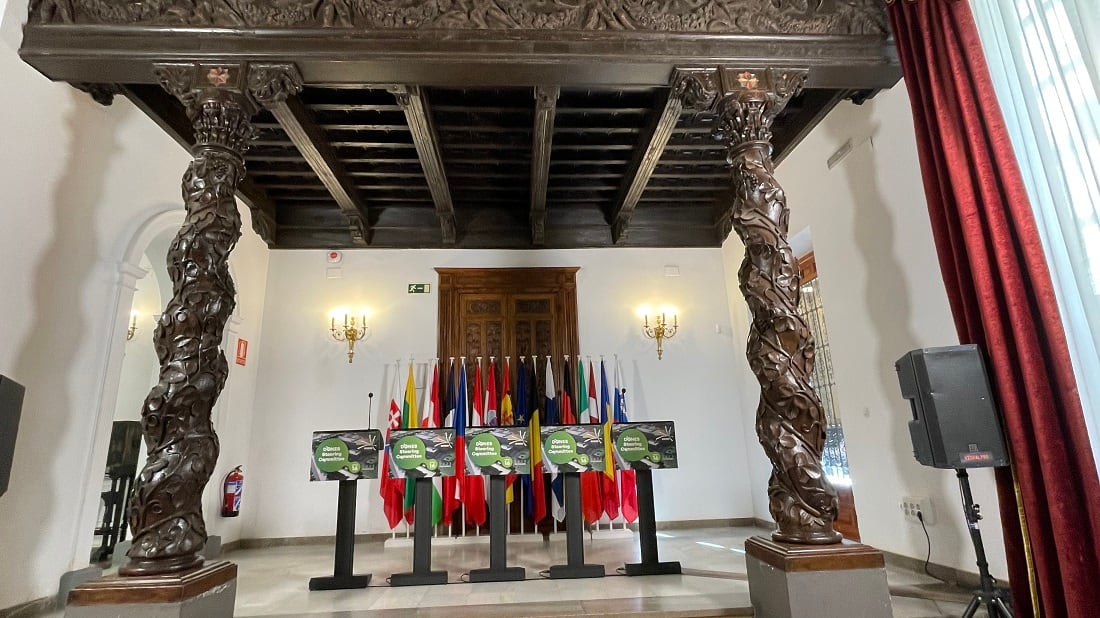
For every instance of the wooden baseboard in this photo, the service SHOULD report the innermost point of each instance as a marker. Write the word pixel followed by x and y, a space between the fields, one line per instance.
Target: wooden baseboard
pixel 380 537
pixel 290 541
pixel 689 524
pixel 959 577
pixel 30 609
pixel 766 524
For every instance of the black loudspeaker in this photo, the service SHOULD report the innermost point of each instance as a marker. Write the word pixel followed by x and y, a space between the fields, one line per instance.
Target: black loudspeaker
pixel 955 423
pixel 11 405
pixel 122 453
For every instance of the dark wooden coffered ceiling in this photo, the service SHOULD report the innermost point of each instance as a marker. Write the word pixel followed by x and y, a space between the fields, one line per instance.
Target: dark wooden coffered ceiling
pixel 479 128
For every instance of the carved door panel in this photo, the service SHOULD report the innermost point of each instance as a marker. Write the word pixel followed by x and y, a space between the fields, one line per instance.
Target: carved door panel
pixel 483 322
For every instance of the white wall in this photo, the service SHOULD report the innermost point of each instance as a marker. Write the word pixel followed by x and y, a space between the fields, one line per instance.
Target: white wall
pixel 883 296
pixel 78 179
pixel 139 365
pixel 306 383
pixel 234 411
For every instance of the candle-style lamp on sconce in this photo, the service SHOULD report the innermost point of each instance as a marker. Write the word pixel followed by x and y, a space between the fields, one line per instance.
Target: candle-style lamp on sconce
pixel 132 329
pixel 657 326
pixel 349 331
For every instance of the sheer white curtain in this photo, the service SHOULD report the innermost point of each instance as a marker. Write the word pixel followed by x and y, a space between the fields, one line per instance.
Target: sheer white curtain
pixel 1043 57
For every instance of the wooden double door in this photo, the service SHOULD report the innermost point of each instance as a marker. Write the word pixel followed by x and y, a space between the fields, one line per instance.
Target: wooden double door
pixel 507 312
pixel 514 312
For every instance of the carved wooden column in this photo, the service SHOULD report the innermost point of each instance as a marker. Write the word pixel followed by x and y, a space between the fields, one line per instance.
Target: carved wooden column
pixel 790 422
pixel 166 509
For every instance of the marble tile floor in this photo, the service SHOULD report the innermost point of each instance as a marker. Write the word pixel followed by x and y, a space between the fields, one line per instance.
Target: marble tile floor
pixel 273 582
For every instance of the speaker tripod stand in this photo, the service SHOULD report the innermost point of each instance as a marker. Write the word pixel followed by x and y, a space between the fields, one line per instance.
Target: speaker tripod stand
pixel 993 598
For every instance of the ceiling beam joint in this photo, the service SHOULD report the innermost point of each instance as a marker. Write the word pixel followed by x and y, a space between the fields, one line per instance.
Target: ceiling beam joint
pixel 312 142
pixel 414 102
pixel 691 88
pixel 546 100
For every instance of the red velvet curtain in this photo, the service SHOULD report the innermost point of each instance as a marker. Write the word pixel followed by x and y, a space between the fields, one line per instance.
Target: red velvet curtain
pixel 1002 299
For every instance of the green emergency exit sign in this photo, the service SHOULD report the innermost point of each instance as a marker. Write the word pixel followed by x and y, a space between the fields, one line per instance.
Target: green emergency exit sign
pixel 420 288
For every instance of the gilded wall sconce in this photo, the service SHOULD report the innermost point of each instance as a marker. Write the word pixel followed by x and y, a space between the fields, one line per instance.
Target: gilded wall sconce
pixel 350 330
pixel 657 325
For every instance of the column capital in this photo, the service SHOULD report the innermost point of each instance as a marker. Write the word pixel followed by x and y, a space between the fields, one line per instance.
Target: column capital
pixel 221 98
pixel 750 101
pixel 263 83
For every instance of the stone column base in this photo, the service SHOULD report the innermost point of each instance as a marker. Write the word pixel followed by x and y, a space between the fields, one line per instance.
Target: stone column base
pixel 209 591
pixel 824 581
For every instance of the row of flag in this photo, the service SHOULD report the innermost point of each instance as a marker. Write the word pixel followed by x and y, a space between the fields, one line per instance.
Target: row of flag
pixel 464 405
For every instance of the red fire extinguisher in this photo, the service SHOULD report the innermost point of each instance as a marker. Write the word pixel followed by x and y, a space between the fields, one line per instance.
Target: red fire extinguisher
pixel 231 492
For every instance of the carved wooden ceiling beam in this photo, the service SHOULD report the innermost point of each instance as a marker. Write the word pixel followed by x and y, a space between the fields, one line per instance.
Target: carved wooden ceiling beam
pixel 683 92
pixel 414 103
pixel 311 141
pixel 546 100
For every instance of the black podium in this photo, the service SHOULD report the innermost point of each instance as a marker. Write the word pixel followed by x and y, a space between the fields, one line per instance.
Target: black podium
pixel 342 577
pixel 422 573
pixel 498 570
pixel 647 531
pixel 574 568
pixel 644 447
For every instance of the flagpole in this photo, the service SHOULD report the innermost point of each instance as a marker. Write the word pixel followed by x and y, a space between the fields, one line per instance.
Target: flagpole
pixel 564 378
pixel 485 408
pixel 461 489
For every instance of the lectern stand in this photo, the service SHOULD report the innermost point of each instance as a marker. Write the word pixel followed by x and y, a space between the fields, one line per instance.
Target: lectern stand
pixel 422 573
pixel 342 578
pixel 498 570
pixel 647 531
pixel 575 567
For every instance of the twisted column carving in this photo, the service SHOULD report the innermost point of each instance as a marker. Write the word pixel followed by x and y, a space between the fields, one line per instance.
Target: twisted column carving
pixel 165 511
pixel 790 422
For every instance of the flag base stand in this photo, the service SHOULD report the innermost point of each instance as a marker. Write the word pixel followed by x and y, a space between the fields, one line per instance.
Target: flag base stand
pixel 422 573
pixel 574 535
pixel 498 570
pixel 342 578
pixel 647 531
pixel 339 582
pixel 429 578
pixel 507 574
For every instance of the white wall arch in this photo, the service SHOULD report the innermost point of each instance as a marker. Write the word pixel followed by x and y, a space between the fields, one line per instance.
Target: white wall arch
pixel 133 245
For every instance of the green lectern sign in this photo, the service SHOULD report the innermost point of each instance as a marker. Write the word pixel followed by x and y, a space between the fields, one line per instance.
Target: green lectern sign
pixel 418 453
pixel 644 446
pixel 497 450
pixel 345 455
pixel 572 448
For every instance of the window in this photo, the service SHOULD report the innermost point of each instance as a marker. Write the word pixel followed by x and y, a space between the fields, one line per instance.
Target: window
pixel 834 457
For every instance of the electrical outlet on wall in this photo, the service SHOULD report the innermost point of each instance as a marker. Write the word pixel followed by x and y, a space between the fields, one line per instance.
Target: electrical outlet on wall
pixel 911 505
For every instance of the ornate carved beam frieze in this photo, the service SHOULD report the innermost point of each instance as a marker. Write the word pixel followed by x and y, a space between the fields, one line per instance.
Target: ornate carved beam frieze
pixel 689 88
pixel 790 423
pixel 311 141
pixel 165 511
pixel 414 103
pixel 730 16
pixel 546 100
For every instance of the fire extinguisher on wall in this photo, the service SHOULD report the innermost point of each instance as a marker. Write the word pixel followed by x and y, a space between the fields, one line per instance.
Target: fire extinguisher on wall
pixel 231 493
